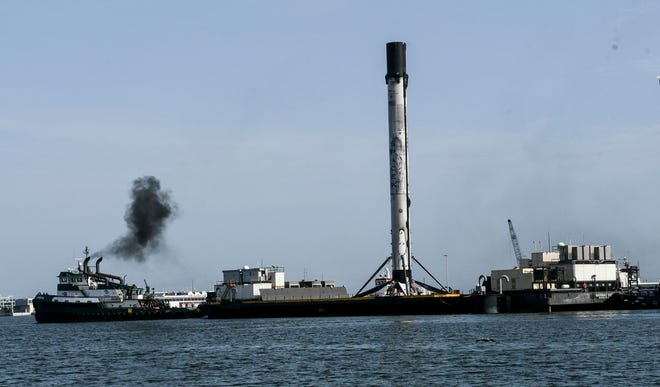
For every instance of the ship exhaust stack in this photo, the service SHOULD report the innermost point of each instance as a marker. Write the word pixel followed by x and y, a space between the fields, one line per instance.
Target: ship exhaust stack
pixel 84 265
pixel 98 264
pixel 105 276
pixel 397 83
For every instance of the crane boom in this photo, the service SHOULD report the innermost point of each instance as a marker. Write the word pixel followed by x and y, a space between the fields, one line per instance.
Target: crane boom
pixel 516 246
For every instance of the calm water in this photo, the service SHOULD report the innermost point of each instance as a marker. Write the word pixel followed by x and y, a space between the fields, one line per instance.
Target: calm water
pixel 611 348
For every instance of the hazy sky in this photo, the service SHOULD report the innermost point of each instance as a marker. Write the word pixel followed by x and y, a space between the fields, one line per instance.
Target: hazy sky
pixel 267 121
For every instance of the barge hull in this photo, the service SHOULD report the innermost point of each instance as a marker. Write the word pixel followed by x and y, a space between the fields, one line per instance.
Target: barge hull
pixel 574 300
pixel 372 306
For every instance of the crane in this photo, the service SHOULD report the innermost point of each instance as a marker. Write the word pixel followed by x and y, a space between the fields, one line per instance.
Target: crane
pixel 516 246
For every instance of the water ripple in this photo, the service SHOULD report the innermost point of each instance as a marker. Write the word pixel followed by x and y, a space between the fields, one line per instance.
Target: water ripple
pixel 612 348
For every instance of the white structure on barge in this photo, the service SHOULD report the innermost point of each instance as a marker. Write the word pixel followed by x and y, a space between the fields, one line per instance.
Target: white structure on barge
pixel 269 284
pixel 571 277
pixel 10 306
pixel 569 267
pixel 7 306
pixel 182 299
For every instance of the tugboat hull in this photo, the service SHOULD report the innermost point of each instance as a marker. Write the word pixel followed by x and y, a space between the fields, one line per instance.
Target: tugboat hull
pixel 49 311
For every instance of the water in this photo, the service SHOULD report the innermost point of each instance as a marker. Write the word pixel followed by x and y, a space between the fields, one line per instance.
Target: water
pixel 611 348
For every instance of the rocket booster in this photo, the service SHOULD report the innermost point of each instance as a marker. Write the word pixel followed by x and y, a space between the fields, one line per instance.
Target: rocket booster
pixel 397 82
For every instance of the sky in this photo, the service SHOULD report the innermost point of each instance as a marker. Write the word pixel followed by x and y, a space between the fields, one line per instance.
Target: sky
pixel 267 124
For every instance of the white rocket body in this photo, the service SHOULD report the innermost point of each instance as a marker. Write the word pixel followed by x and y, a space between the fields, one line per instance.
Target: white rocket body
pixel 397 81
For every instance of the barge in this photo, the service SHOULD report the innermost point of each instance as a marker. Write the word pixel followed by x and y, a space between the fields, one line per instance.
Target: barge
pixel 571 278
pixel 263 292
pixel 568 278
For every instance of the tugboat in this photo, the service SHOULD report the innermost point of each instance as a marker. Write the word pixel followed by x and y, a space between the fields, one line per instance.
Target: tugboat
pixel 84 294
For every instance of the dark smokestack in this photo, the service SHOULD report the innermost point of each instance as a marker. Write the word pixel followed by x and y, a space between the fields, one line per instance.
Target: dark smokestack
pixel 85 267
pixel 104 276
pixel 145 217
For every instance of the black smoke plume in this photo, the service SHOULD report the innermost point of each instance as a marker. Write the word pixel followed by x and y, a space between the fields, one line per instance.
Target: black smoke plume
pixel 145 217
